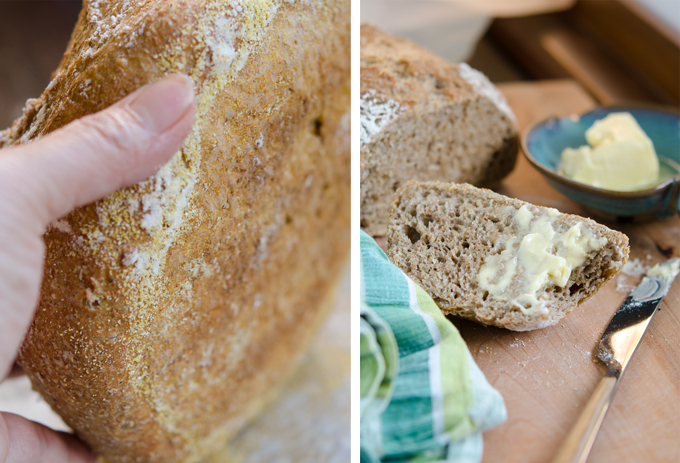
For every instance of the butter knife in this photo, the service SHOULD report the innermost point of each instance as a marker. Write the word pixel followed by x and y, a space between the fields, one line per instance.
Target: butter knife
pixel 615 349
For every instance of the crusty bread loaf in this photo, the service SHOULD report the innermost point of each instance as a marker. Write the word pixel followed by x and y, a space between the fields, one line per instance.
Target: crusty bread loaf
pixel 423 118
pixel 442 235
pixel 173 310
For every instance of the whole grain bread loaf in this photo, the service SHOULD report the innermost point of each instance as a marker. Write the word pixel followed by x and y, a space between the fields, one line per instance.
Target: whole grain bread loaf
pixel 498 260
pixel 423 118
pixel 172 311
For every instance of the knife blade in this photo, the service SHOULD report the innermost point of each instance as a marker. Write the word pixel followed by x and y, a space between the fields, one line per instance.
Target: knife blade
pixel 615 349
pixel 630 322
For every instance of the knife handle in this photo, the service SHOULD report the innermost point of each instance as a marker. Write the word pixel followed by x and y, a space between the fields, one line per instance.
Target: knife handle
pixel 580 440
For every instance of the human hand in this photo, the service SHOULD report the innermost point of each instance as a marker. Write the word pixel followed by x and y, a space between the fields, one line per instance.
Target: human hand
pixel 44 180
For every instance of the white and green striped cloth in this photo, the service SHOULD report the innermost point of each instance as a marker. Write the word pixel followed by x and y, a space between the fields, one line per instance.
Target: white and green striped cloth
pixel 423 398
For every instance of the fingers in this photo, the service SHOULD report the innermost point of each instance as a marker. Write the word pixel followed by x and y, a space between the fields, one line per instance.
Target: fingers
pixel 80 163
pixel 98 154
pixel 23 441
pixel 21 267
pixel 15 370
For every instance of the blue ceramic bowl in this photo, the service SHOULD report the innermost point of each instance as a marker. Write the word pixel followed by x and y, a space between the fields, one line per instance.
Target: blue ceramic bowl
pixel 543 143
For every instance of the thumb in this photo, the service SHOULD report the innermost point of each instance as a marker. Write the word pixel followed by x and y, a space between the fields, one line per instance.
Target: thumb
pixel 98 154
pixel 82 162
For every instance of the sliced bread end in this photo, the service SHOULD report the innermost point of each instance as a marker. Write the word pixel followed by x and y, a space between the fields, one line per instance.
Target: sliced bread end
pixel 441 235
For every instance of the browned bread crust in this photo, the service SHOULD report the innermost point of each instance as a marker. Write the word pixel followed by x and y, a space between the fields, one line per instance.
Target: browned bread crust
pixel 423 118
pixel 441 234
pixel 171 311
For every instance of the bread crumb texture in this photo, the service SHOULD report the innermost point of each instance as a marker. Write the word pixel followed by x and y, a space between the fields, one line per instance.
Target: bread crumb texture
pixel 423 118
pixel 441 235
pixel 172 311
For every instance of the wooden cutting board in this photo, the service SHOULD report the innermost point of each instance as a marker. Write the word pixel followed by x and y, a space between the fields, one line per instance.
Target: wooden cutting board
pixel 546 376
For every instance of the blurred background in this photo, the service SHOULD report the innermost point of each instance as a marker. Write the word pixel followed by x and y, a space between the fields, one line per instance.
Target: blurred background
pixel 617 50
pixel 33 38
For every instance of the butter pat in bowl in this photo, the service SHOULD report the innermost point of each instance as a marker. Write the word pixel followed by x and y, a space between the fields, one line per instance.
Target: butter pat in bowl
pixel 620 161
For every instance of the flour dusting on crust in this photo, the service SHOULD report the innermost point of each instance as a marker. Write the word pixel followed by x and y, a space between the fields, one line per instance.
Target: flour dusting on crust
pixel 482 85
pixel 376 113
pixel 161 271
pixel 136 227
pixel 62 226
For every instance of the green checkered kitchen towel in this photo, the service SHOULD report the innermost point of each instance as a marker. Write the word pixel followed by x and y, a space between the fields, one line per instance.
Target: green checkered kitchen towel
pixel 423 398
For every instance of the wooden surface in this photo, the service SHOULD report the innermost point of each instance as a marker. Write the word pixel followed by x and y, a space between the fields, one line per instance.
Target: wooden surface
pixel 615 49
pixel 546 376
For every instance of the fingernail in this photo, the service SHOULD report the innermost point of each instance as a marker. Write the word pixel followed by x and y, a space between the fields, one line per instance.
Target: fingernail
pixel 161 104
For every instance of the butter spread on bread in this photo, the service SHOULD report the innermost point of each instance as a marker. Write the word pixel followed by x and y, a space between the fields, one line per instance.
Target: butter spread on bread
pixel 534 257
pixel 498 260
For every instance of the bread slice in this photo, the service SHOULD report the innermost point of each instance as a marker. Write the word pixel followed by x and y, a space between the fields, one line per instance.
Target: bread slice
pixel 423 118
pixel 494 259
pixel 172 311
